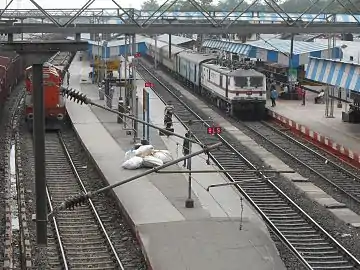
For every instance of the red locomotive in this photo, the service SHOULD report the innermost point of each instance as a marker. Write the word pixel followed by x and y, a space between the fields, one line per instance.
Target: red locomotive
pixel 10 74
pixel 55 111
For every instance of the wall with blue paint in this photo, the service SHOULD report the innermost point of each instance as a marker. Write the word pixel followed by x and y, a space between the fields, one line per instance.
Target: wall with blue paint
pixel 252 53
pixel 106 52
pixel 272 56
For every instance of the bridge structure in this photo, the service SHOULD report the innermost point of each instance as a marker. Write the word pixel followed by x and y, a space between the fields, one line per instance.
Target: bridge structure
pixel 120 20
pixel 116 15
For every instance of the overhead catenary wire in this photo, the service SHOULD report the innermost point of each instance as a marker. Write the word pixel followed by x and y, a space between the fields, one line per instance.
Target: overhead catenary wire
pixel 83 197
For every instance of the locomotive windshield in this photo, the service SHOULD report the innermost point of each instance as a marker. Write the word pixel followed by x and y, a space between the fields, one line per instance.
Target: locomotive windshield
pixel 241 81
pixel 256 81
pixel 244 82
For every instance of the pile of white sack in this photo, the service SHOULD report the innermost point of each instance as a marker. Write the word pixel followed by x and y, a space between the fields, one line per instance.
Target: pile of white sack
pixel 146 157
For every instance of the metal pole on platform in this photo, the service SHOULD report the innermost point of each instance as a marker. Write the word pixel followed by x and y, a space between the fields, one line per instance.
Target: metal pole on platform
pixel 134 89
pixel 189 203
pixel 155 52
pixel 329 103
pixel 290 76
pixel 40 178
pixel 126 75
pixel 148 115
pixel 144 109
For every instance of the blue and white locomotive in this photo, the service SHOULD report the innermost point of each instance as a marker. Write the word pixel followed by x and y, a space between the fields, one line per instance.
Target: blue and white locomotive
pixel 241 92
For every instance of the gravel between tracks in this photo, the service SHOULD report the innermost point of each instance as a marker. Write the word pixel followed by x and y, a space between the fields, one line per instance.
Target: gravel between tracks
pixel 5 116
pixel 347 235
pixel 119 230
pixel 318 181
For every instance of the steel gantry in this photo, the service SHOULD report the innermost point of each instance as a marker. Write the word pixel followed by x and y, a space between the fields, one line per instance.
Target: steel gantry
pixel 131 21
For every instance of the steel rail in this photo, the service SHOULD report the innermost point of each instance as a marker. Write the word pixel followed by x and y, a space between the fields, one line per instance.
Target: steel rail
pixel 274 187
pixel 354 177
pixel 262 214
pixel 75 171
pixel 57 232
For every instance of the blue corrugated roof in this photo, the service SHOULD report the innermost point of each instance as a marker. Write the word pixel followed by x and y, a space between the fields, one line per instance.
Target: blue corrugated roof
pixel 300 47
pixel 233 47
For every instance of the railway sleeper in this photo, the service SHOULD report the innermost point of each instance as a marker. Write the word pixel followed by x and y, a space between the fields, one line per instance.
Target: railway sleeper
pixel 273 203
pixel 93 265
pixel 291 224
pixel 281 214
pixel 300 240
pixel 337 262
pixel 102 252
pixel 325 248
pixel 77 222
pixel 305 233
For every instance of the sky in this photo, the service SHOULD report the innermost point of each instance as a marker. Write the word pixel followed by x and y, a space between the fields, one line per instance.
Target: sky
pixel 58 4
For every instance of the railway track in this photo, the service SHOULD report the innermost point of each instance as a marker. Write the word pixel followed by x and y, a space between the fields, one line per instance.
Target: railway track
pixel 60 59
pixel 343 180
pixel 79 234
pixel 312 245
pixel 92 236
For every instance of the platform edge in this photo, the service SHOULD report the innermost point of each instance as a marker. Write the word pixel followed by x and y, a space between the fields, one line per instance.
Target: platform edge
pixel 316 137
pixel 118 202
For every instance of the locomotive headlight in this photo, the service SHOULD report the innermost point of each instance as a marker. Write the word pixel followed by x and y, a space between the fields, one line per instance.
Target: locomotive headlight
pixel 60 116
pixel 30 116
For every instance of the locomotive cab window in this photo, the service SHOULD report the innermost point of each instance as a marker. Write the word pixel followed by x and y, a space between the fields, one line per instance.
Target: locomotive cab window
pixel 241 81
pixel 256 81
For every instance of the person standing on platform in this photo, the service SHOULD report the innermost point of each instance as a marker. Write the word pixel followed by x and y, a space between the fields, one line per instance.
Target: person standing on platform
pixel 303 95
pixel 68 78
pixel 186 147
pixel 273 97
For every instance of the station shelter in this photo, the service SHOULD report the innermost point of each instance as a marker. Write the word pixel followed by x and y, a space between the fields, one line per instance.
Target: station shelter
pixel 342 75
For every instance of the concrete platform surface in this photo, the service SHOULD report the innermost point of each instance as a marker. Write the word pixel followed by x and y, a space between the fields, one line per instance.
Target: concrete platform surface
pixel 173 237
pixel 338 136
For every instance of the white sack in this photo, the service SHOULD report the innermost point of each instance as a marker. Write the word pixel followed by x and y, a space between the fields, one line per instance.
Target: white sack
pixel 133 163
pixel 164 155
pixel 144 150
pixel 130 154
pixel 152 162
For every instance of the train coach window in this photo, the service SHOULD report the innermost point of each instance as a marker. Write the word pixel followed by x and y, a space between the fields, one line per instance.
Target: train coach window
pixel 256 81
pixel 241 81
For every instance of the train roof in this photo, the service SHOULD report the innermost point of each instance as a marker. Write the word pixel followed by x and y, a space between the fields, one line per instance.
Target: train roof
pixel 196 57
pixel 159 44
pixel 174 49
pixel 236 73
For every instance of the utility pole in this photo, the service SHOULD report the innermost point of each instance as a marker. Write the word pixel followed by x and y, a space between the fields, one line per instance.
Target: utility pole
pixel 40 177
pixel 189 203
pixel 329 90
pixel 155 56
pixel 126 73
pixel 135 108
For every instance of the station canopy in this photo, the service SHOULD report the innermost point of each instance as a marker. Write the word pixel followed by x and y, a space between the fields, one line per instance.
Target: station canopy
pixel 276 50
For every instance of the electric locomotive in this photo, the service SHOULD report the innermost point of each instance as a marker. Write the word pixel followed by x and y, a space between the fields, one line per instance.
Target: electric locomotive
pixel 55 111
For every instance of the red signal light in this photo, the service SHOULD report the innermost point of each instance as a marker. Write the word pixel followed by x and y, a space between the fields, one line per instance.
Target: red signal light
pixel 149 84
pixel 214 130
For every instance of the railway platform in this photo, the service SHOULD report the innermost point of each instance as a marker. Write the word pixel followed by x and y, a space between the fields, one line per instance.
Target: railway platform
pixel 172 236
pixel 310 120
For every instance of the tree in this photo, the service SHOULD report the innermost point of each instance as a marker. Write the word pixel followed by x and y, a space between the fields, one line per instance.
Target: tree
pixel 150 5
pixel 206 4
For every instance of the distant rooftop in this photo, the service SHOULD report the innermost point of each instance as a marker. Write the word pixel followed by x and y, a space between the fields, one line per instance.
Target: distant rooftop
pixel 300 47
pixel 176 40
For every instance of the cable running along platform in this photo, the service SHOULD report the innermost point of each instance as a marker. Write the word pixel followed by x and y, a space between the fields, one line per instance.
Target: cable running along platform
pixel 316 248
